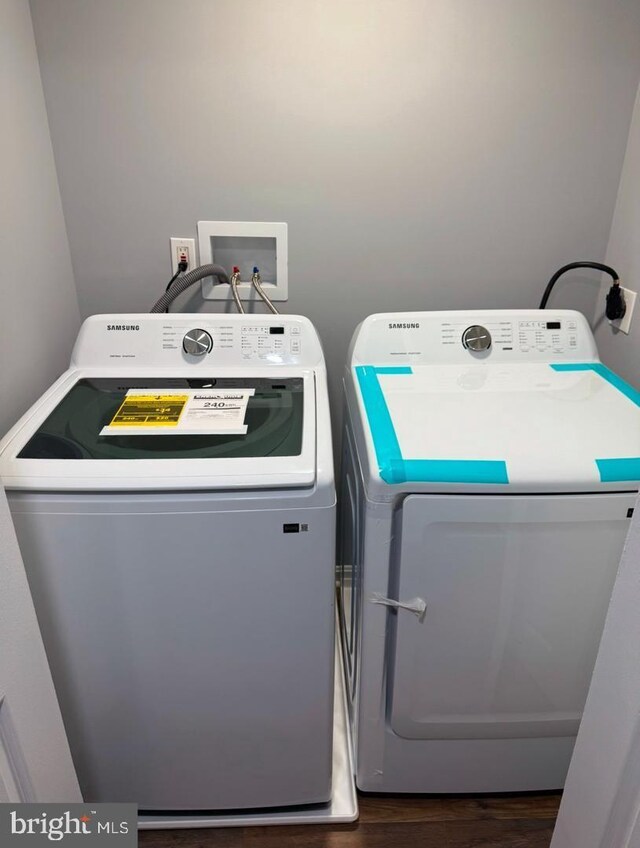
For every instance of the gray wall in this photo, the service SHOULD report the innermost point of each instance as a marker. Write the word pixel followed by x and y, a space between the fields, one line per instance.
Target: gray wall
pixel 426 154
pixel 39 315
pixel 622 352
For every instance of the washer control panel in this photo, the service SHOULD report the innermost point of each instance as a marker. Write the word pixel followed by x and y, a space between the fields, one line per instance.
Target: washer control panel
pixel 260 340
pixel 476 338
pixel 197 342
pixel 250 341
pixel 178 339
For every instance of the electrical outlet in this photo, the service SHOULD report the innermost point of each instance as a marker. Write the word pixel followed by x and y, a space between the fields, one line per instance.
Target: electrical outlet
pixel 183 249
pixel 624 323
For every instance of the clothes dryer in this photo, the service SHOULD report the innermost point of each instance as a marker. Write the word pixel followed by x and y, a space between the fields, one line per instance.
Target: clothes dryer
pixel 489 471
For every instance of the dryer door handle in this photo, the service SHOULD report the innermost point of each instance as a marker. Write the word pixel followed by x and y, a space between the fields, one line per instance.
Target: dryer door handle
pixel 416 605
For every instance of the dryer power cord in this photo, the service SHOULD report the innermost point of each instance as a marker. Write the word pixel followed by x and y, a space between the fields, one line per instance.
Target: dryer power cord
pixel 615 299
pixel 616 306
pixel 183 283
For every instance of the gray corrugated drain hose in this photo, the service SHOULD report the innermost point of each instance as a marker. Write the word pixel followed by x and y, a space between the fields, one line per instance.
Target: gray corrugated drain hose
pixel 183 283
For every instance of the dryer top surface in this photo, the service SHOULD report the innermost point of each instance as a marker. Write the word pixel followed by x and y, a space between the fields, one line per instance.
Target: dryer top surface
pixel 546 422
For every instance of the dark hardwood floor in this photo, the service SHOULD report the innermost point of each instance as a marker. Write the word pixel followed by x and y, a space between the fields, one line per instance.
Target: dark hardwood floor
pixel 504 821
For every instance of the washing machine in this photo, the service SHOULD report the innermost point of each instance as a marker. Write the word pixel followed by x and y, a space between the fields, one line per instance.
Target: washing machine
pixel 490 467
pixel 183 566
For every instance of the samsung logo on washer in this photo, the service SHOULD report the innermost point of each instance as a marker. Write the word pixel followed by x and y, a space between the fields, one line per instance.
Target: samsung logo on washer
pixel 123 326
pixel 415 326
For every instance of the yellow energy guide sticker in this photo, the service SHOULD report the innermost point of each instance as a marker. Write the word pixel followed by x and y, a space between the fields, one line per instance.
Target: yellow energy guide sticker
pixel 191 412
pixel 150 411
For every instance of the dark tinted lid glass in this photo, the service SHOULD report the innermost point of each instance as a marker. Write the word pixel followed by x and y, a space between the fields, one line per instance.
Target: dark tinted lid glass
pixel 72 431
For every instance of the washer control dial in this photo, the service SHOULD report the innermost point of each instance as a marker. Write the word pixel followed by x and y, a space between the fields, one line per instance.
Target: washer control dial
pixel 476 338
pixel 197 342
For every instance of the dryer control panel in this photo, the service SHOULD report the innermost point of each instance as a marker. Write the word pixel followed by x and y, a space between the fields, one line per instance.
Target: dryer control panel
pixel 483 335
pixel 525 335
pixel 193 339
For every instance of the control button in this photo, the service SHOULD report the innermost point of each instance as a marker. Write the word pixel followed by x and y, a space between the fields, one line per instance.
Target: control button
pixel 295 330
pixel 476 338
pixel 295 345
pixel 197 342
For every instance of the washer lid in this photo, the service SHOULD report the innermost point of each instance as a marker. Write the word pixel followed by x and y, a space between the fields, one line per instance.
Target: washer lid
pixel 62 444
pixel 526 427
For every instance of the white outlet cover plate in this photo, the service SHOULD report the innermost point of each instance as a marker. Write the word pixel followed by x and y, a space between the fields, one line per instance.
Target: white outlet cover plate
pixel 624 323
pixel 275 284
pixel 176 244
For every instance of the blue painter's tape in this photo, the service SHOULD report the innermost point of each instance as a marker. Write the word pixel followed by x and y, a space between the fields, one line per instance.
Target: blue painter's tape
pixel 457 470
pixel 395 469
pixel 625 469
pixel 606 373
pixel 573 366
pixel 385 441
pixel 622 469
pixel 618 383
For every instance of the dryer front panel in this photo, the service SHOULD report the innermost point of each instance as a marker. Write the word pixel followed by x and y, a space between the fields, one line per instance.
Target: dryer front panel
pixel 516 591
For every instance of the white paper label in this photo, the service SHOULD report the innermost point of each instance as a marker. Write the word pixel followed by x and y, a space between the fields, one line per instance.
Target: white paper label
pixel 180 412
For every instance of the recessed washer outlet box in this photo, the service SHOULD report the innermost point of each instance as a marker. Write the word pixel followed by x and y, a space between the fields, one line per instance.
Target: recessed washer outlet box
pixel 247 244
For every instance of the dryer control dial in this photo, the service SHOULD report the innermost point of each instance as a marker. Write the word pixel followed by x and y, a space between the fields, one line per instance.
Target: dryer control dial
pixel 197 342
pixel 476 338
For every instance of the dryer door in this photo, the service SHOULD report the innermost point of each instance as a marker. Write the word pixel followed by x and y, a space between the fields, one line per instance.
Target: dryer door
pixel 517 590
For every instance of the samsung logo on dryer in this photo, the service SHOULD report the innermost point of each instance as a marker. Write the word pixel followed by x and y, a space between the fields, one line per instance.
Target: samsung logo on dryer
pixel 123 326
pixel 415 326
